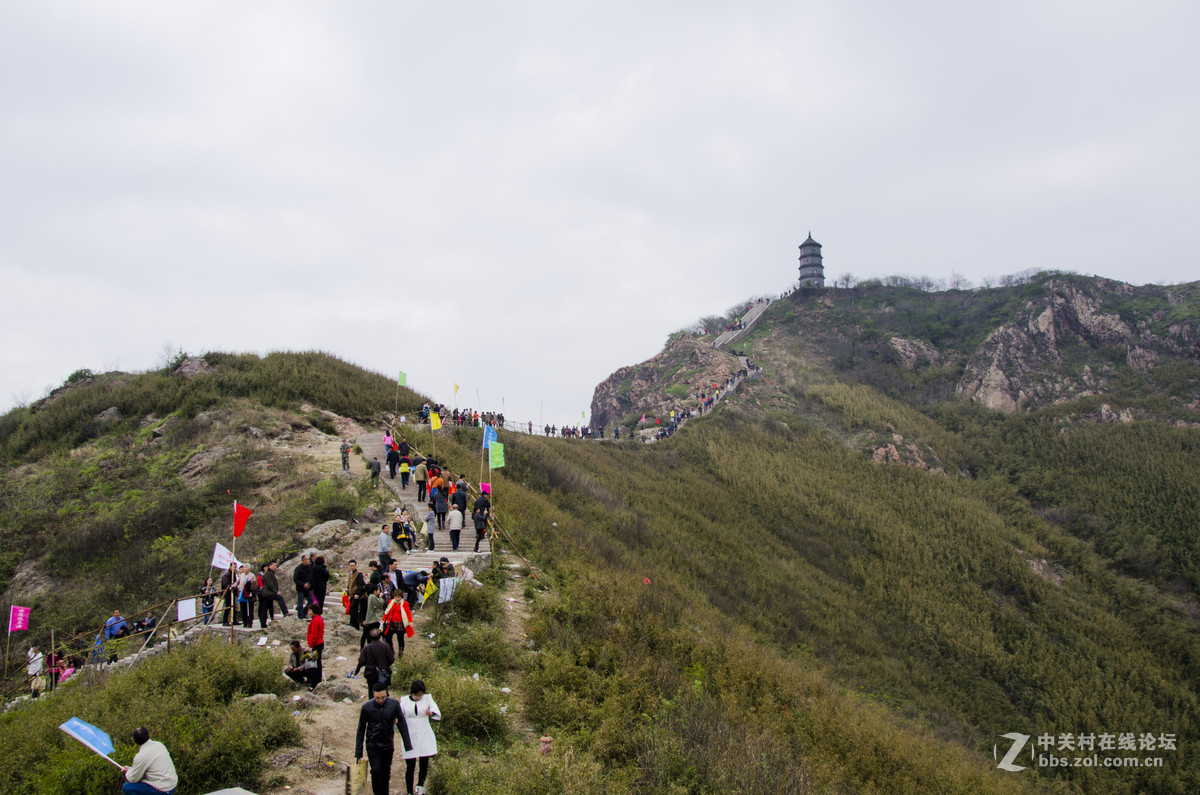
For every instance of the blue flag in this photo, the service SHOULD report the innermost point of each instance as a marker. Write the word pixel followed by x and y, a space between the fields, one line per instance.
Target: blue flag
pixel 89 735
pixel 489 435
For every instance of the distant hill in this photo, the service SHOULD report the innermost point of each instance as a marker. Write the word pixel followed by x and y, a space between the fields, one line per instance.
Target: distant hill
pixel 1053 339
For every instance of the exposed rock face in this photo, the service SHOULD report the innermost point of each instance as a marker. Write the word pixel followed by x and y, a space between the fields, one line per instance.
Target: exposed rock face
pixel 1021 365
pixel 327 533
pixel 687 367
pixel 192 367
pixel 108 416
pixel 195 472
pixel 915 353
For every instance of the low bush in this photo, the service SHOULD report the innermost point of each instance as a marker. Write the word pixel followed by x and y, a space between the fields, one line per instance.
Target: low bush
pixel 471 709
pixel 330 499
pixel 481 649
pixel 191 700
pixel 521 770
pixel 472 605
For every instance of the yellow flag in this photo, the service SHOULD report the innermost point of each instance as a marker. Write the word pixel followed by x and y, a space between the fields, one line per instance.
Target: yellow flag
pixel 430 587
pixel 435 421
pixel 456 389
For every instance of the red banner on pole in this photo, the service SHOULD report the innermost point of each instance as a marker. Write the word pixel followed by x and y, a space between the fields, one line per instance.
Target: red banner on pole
pixel 240 515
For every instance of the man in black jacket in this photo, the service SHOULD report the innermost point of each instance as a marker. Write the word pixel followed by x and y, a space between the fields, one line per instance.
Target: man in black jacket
pixel 374 658
pixel 378 720
pixel 302 577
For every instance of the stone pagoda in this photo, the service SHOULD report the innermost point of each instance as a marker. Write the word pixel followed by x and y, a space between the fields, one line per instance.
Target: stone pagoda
pixel 812 271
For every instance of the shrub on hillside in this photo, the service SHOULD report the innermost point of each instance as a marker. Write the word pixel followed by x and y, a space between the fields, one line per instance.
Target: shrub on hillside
pixel 330 499
pixel 191 700
pixel 471 709
pixel 480 649
pixel 522 770
pixel 473 605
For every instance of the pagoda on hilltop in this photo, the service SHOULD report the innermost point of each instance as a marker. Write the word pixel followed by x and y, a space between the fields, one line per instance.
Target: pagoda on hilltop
pixel 812 270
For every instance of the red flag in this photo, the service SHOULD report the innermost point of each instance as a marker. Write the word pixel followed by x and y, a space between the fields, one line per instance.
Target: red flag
pixel 240 514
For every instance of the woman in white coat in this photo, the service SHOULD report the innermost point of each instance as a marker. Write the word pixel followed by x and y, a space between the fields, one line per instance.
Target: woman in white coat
pixel 418 708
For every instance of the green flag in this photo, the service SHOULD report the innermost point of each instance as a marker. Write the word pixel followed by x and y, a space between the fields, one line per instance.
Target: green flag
pixel 495 455
pixel 402 380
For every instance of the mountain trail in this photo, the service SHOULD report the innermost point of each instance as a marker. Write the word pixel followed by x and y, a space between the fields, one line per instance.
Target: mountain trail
pixel 329 716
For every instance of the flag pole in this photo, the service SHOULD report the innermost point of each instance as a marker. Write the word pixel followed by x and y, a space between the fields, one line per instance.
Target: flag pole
pixel 8 642
pixel 233 604
pixel 492 513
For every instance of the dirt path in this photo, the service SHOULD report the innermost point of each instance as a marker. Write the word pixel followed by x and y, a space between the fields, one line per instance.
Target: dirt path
pixel 329 716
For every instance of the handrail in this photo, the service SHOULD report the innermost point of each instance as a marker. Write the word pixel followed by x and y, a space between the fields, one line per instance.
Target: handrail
pixel 72 647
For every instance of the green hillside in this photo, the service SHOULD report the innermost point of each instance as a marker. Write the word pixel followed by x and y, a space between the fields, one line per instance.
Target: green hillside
pixel 849 577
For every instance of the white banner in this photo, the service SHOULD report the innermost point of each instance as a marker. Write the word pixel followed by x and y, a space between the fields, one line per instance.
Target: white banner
pixel 222 558
pixel 187 609
pixel 446 587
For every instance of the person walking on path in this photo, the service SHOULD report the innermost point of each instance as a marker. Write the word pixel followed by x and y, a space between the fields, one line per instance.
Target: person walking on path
pixel 320 584
pixel 374 615
pixel 375 468
pixel 384 548
pixel 152 772
pixel 208 599
pixel 302 579
pixel 277 599
pixel 378 721
pixel 345 450
pixel 421 476
pixel 35 668
pixel 266 597
pixel 418 708
pixel 454 523
pixel 375 661
pixel 228 585
pixel 393 461
pixel 247 585
pixel 481 513
pixel 355 588
pixel 316 642
pixel 430 524
pixel 441 506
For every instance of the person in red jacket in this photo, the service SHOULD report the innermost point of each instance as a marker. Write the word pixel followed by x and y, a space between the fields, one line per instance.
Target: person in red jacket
pixel 316 641
pixel 398 623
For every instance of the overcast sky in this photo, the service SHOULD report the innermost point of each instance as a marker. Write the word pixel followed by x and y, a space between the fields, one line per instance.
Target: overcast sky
pixel 522 197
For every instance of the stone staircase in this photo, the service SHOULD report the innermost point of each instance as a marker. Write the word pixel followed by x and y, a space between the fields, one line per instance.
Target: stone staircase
pixel 372 446
pixel 748 319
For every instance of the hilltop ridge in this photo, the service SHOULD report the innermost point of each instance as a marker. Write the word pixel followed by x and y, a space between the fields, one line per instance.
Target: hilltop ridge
pixel 1053 339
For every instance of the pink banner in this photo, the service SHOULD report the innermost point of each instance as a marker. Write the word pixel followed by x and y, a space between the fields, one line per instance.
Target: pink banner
pixel 18 618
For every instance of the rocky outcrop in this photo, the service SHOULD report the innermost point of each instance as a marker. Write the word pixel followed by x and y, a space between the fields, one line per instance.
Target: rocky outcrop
pixel 686 368
pixel 192 367
pixel 1021 365
pixel 327 533
pixel 915 354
